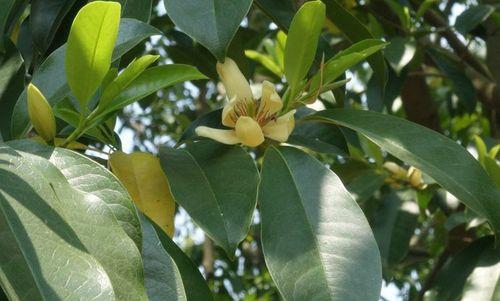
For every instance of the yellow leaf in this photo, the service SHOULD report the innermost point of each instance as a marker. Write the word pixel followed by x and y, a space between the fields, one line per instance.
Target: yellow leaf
pixel 142 176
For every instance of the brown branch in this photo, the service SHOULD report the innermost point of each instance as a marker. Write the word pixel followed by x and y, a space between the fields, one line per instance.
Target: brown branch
pixel 208 258
pixel 460 49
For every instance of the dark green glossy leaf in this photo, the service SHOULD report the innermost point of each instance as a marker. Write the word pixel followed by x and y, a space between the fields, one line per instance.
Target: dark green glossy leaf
pixel 444 160
pixel 400 52
pixel 472 17
pixel 195 285
pixel 281 11
pixel 10 12
pixel 89 177
pixel 137 9
pixel 211 119
pixel 365 184
pixel 355 32
pixel 68 238
pixel 394 225
pixel 217 185
pixel 213 23
pixel 45 18
pixel 162 277
pixel 11 85
pixel 319 137
pixel 50 77
pixel 316 240
pixel 455 71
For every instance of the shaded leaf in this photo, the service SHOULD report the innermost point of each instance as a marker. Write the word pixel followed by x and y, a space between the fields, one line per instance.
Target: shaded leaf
pixel 355 31
pixel 208 22
pixel 11 84
pixel 217 185
pixel 162 278
pixel 472 17
pixel 45 18
pixel 400 52
pixel 445 161
pixel 394 225
pixel 455 71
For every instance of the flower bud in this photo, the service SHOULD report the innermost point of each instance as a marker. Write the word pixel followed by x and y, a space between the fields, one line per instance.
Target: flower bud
pixel 395 169
pixel 235 83
pixel 40 113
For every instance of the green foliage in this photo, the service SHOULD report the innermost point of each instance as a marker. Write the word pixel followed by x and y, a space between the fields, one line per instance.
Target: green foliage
pixel 336 200
pixel 439 157
pixel 206 178
pixel 90 46
pixel 302 41
pixel 207 21
pixel 324 236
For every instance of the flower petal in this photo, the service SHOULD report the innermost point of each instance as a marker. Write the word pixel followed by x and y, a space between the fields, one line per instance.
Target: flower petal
pixel 234 81
pixel 249 131
pixel 270 103
pixel 280 128
pixel 222 136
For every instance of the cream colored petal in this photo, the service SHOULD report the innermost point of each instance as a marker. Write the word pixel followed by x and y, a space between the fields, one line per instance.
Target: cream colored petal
pixel 228 114
pixel 249 131
pixel 280 128
pixel 234 81
pixel 222 136
pixel 270 103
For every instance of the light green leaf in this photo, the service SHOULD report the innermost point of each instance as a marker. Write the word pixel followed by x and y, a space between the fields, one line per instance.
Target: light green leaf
pixel 61 230
pixel 126 77
pixel 493 168
pixel 316 241
pixel 444 160
pixel 217 185
pixel 302 41
pixel 50 77
pixel 150 81
pixel 266 61
pixel 346 59
pixel 90 46
pixel 213 23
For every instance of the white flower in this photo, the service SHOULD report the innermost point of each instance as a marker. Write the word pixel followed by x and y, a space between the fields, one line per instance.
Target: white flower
pixel 251 119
